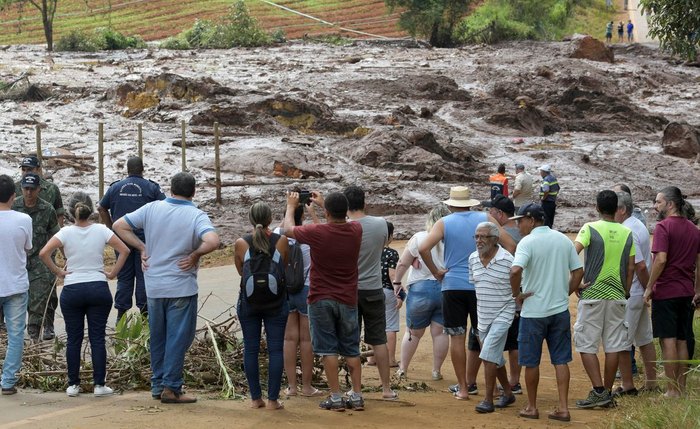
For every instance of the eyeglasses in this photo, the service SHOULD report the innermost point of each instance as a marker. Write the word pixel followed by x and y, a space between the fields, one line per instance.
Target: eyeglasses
pixel 483 237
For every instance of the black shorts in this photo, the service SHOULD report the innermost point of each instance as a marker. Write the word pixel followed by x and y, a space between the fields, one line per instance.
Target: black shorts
pixel 512 340
pixel 473 341
pixel 458 307
pixel 672 318
pixel 371 311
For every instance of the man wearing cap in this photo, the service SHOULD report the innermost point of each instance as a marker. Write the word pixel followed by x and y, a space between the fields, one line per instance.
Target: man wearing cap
pixel 498 183
pixel 547 268
pixel 42 294
pixel 549 190
pixel 48 191
pixel 458 294
pixel 522 191
pixel 122 197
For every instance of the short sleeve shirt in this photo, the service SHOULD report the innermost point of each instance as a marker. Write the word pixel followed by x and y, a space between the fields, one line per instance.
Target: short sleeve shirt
pixel 679 238
pixel 390 258
pixel 494 296
pixel 335 248
pixel 418 271
pixel 609 246
pixel 16 233
pixel 374 235
pixel 125 196
pixel 547 258
pixel 642 247
pixel 523 183
pixel 173 229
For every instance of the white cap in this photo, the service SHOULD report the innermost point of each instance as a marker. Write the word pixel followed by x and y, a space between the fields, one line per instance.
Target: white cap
pixel 546 168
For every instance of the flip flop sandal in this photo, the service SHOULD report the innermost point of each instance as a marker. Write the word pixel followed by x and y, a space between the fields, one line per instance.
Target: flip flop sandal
pixel 526 415
pixel 460 398
pixel 558 415
pixel 394 397
pixel 316 392
pixel 288 392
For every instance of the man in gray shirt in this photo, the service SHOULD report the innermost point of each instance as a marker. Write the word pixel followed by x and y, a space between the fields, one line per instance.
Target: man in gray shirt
pixel 370 303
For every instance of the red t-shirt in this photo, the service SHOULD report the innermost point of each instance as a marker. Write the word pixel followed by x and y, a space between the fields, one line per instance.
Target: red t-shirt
pixel 335 248
pixel 680 240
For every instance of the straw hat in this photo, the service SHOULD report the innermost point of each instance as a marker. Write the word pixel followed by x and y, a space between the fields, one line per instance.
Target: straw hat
pixel 459 197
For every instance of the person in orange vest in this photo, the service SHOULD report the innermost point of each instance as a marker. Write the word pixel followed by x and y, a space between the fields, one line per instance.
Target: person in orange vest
pixel 499 182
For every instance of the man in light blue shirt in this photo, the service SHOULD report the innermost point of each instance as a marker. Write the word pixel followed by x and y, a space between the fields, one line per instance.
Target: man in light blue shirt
pixel 547 269
pixel 178 234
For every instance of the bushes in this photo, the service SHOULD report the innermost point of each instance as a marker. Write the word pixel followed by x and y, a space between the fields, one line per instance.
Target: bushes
pixel 100 39
pixel 238 28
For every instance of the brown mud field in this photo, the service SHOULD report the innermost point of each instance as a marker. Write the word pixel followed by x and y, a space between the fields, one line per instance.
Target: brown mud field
pixel 403 121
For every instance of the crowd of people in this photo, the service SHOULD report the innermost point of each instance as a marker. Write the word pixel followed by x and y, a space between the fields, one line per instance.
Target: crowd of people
pixel 491 279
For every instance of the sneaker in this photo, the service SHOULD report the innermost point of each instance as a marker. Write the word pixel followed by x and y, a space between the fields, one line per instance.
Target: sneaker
pixel 73 390
pixel 355 402
pixel 103 390
pixel 333 404
pixel 472 389
pixel 595 399
pixel 437 376
pixel 48 333
pixel 517 389
pixel 9 390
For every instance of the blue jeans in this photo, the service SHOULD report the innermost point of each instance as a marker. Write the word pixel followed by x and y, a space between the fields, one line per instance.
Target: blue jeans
pixel 125 283
pixel 15 308
pixel 172 322
pixel 251 324
pixel 78 301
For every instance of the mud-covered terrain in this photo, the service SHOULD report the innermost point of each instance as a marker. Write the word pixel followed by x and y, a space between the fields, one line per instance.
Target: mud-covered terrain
pixel 403 121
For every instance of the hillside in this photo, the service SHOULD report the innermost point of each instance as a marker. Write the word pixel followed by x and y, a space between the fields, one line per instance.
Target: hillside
pixel 157 19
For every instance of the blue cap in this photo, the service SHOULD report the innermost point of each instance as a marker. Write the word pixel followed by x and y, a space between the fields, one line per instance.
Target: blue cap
pixel 30 180
pixel 532 210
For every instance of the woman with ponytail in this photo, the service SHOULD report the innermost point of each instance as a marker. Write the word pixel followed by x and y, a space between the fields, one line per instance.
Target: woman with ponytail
pixel 85 290
pixel 262 240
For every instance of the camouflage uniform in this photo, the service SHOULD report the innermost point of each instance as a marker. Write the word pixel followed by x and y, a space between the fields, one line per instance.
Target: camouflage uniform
pixel 41 290
pixel 48 192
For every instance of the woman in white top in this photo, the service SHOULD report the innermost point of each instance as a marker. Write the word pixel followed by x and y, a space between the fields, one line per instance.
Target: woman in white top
pixel 424 300
pixel 85 291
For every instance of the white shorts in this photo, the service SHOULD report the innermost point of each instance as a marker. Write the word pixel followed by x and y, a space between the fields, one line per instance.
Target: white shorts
pixel 392 313
pixel 601 319
pixel 639 321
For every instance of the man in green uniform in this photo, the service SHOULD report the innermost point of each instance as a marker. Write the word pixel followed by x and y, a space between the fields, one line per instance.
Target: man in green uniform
pixel 42 294
pixel 48 191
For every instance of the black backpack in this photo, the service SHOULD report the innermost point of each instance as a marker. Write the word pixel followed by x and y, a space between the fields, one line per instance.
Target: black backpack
pixel 294 272
pixel 262 282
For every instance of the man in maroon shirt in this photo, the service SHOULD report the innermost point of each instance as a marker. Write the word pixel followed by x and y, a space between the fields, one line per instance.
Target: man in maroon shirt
pixel 674 284
pixel 335 248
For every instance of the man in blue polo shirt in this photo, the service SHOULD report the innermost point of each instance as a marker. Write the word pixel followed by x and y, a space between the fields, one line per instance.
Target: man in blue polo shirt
pixel 547 268
pixel 177 235
pixel 122 197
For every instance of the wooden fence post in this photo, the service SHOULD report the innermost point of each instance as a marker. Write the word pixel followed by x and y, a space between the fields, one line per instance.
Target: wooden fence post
pixel 100 158
pixel 38 144
pixel 140 140
pixel 184 148
pixel 217 162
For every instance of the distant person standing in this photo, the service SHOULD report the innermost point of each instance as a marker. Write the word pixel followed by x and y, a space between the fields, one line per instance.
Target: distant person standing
pixel 177 234
pixel 674 284
pixel 630 31
pixel 549 191
pixel 48 191
pixel 608 32
pixel 522 191
pixel 122 197
pixel 16 232
pixel 620 32
pixel 498 182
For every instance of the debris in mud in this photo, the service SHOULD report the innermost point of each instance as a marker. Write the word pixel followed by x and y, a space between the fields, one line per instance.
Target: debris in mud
pixel 21 89
pixel 586 47
pixel 681 140
pixel 427 87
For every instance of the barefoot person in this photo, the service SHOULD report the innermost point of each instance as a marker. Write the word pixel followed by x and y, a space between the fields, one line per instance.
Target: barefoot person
pixel 85 292
pixel 547 270
pixel 264 241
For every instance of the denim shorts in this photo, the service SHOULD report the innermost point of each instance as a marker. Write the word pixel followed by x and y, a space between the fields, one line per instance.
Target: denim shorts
pixel 334 328
pixel 493 340
pixel 556 329
pixel 297 301
pixel 424 304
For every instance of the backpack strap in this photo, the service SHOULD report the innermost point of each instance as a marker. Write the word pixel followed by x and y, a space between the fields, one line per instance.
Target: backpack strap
pixel 276 256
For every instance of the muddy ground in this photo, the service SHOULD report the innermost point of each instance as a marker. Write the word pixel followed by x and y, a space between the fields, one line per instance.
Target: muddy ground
pixel 404 121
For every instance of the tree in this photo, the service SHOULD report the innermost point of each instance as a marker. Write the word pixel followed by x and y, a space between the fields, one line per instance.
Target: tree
pixel 47 9
pixel 675 24
pixel 432 19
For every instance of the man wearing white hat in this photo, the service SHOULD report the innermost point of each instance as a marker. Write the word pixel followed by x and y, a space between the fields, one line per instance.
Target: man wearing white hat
pixel 549 189
pixel 458 294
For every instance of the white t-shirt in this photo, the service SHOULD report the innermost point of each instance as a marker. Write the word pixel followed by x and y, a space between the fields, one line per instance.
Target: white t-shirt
pixel 16 233
pixel 494 297
pixel 640 236
pixel 418 270
pixel 84 248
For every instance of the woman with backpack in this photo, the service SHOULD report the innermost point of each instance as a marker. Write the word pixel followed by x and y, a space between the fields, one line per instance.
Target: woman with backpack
pixel 260 259
pixel 297 335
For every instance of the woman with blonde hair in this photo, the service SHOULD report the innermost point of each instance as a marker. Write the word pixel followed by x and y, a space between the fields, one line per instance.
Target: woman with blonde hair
pixel 262 243
pixel 424 300
pixel 85 291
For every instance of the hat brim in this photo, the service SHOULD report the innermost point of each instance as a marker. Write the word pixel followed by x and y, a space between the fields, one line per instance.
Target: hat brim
pixel 516 217
pixel 462 203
